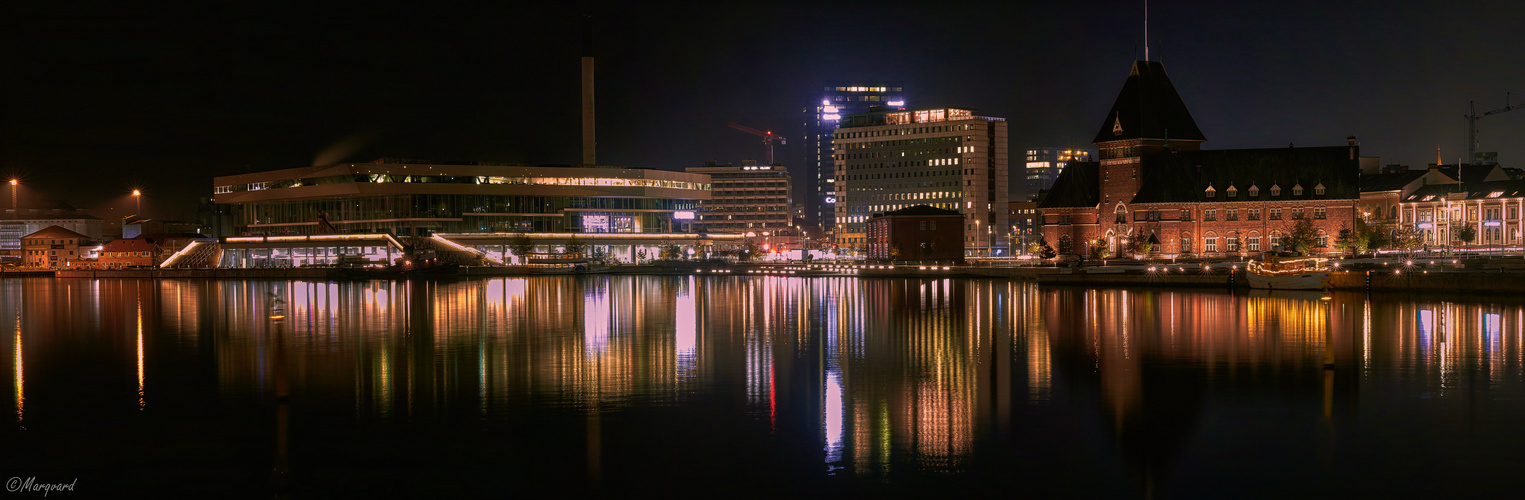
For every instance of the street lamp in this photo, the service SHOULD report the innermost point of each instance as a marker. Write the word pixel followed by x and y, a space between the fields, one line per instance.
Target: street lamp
pixel 137 198
pixel 15 212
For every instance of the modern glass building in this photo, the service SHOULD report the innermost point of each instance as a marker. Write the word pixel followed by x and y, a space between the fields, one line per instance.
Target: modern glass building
pixel 836 100
pixel 419 198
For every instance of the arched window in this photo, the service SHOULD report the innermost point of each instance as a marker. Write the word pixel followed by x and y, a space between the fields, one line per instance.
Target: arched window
pixel 1392 212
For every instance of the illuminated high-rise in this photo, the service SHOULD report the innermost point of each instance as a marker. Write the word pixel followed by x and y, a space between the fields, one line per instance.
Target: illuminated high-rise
pixel 947 158
pixel 835 100
pixel 1041 169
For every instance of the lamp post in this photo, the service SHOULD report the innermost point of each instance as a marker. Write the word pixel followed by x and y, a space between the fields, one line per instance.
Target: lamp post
pixel 15 212
pixel 137 199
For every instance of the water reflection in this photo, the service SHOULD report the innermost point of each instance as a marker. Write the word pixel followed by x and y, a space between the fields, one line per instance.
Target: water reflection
pixel 866 379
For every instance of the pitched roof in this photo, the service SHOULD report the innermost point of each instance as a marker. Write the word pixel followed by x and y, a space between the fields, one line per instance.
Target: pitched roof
pixel 55 232
pixel 1184 176
pixel 1148 108
pixel 922 210
pixel 129 245
pixel 1076 186
pixel 1389 182
pixel 1474 190
pixel 1474 173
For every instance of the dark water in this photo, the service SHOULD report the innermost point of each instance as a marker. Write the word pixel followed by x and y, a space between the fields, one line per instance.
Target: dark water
pixel 756 387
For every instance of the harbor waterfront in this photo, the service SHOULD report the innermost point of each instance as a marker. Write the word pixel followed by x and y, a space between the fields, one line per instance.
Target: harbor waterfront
pixel 758 386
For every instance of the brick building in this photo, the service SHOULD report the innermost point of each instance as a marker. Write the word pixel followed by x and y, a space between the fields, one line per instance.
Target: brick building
pixel 132 252
pixel 916 233
pixel 1154 184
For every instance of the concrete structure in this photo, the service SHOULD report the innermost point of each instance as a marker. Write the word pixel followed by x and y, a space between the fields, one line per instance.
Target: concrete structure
pixel 917 233
pixel 53 247
pixel 747 199
pixel 836 100
pixel 946 158
pixel 411 198
pixel 31 220
pixel 1035 176
pixel 1155 185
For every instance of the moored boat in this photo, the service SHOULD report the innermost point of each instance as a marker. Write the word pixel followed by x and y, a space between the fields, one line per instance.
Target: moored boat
pixel 1298 273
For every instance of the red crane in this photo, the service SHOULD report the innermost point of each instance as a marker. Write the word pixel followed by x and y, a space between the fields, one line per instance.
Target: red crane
pixel 768 138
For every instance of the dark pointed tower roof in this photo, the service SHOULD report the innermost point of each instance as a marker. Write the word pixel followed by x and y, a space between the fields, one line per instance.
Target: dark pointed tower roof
pixel 1149 108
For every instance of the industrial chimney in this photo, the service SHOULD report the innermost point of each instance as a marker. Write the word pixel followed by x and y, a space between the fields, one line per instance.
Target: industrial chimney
pixel 588 144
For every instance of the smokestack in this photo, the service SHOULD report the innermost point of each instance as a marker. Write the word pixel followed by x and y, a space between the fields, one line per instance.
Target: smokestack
pixel 589 157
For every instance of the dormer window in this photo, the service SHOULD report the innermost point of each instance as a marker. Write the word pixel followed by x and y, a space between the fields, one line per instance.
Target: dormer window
pixel 1495 194
pixel 1297 190
pixel 1211 192
pixel 1275 190
pixel 1254 191
pixel 1318 190
pixel 1232 192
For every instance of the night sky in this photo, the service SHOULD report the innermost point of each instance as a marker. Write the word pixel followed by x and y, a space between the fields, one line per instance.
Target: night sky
pixel 166 100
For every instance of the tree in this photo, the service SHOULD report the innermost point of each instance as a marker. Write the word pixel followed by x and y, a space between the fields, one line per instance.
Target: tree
pixel 573 246
pixel 1101 252
pixel 1466 234
pixel 671 252
pixel 521 245
pixel 1301 236
pixel 750 249
pixel 1407 238
pixel 1047 252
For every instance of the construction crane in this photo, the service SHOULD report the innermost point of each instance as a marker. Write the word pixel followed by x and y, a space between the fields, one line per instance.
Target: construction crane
pixel 1472 124
pixel 768 138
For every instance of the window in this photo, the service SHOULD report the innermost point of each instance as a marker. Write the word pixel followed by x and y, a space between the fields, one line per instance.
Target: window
pixel 1231 214
pixel 1186 215
pixel 1254 243
pixel 1323 240
pixel 1211 244
pixel 1254 214
pixel 1297 190
pixel 1275 241
pixel 1297 213
pixel 1318 190
pixel 923 226
pixel 1211 192
pixel 1275 190
pixel 1233 243
pixel 1232 192
pixel 1152 215
pixel 1254 191
pixel 1185 245
pixel 1209 215
pixel 1318 213
pixel 1275 214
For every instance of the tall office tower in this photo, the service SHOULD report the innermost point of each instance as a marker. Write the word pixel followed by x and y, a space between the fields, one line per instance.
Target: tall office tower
pixel 836 100
pixel 944 157
pixel 1042 167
